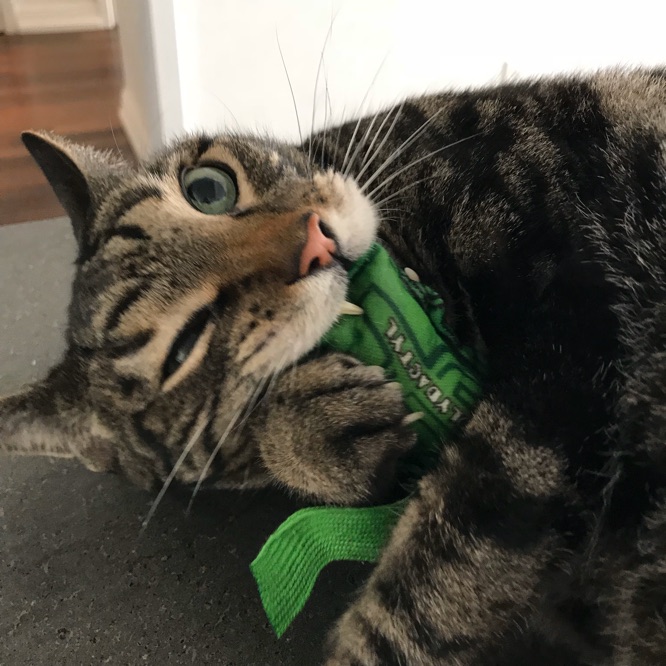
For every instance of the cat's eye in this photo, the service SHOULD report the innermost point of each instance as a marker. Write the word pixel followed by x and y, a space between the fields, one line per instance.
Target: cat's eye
pixel 185 342
pixel 210 189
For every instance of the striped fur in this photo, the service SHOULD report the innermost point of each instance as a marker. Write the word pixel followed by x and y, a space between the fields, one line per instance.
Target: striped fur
pixel 538 210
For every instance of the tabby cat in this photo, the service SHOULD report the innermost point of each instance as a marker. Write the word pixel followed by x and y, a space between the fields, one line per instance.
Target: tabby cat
pixel 206 276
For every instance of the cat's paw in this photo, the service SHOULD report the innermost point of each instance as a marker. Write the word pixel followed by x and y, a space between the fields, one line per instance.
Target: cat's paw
pixel 334 429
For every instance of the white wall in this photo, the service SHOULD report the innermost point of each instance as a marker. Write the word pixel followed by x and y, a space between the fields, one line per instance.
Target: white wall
pixel 150 105
pixel 229 72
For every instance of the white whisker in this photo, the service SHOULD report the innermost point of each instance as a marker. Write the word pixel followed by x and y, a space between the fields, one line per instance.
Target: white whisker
pixel 314 99
pixel 369 161
pixel 328 114
pixel 248 409
pixel 339 134
pixel 231 113
pixel 360 116
pixel 400 149
pixel 360 144
pixel 417 161
pixel 213 455
pixel 185 452
pixel 413 184
pixel 291 89
pixel 113 134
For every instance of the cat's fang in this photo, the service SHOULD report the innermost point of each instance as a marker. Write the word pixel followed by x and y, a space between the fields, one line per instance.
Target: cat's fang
pixel 412 274
pixel 348 308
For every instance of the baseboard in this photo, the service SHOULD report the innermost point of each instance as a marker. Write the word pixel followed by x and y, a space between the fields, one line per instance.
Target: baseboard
pixel 132 121
pixel 41 16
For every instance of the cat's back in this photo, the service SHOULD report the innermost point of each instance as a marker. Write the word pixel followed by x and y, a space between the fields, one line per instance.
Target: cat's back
pixel 635 96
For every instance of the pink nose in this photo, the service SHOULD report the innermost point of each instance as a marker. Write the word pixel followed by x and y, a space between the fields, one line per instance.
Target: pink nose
pixel 319 249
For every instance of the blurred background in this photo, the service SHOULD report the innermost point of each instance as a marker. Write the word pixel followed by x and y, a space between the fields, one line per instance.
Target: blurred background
pixel 129 74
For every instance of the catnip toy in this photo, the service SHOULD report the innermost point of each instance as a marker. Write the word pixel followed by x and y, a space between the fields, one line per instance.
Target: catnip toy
pixel 400 327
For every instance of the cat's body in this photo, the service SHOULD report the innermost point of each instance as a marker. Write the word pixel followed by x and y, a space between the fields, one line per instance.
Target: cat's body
pixel 541 219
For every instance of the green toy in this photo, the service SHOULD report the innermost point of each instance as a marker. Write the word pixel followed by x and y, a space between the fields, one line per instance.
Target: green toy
pixel 401 329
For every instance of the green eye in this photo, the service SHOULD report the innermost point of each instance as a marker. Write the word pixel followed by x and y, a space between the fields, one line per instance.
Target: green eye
pixel 209 189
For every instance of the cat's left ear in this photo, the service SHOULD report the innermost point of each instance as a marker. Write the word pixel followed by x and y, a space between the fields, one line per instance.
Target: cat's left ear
pixel 51 419
pixel 80 176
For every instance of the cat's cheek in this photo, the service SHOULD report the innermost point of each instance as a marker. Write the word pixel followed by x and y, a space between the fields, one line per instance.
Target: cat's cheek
pixel 315 307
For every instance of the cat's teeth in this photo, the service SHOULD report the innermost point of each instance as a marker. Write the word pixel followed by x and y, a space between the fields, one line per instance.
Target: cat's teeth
pixel 348 308
pixel 412 274
pixel 412 418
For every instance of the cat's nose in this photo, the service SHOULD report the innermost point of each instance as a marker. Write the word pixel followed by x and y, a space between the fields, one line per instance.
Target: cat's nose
pixel 319 248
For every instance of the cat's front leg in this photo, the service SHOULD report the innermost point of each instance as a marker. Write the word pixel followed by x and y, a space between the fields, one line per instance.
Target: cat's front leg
pixel 334 429
pixel 469 561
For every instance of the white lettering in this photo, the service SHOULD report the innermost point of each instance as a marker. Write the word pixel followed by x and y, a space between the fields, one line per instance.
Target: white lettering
pixel 434 394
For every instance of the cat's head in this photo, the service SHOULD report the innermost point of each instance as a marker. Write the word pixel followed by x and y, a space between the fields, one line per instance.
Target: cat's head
pixel 199 276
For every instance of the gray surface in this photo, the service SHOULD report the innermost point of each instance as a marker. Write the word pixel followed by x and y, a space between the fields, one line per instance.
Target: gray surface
pixel 77 583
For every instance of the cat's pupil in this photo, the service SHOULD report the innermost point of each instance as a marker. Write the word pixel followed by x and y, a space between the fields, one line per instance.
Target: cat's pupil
pixel 185 342
pixel 207 190
pixel 186 349
pixel 210 189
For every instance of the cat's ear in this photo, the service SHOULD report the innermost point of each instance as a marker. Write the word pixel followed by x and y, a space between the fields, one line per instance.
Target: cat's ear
pixel 47 419
pixel 80 176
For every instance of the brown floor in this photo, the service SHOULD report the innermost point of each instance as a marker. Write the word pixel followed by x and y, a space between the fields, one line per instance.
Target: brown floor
pixel 67 83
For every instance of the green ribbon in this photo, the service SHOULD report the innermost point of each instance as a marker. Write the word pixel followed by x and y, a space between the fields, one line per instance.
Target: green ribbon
pixel 402 329
pixel 288 565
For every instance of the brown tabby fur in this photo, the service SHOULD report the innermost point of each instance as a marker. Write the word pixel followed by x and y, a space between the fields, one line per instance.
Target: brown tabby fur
pixel 538 211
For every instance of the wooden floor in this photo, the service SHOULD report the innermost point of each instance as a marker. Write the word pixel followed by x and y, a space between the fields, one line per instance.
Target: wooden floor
pixel 69 84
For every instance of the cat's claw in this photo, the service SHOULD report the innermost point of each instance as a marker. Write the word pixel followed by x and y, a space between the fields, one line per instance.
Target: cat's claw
pixel 412 274
pixel 412 418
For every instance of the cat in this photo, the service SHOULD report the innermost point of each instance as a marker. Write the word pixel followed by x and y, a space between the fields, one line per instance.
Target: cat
pixel 537 210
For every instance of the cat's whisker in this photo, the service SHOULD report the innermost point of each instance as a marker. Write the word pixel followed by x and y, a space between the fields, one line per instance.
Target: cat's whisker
pixel 395 194
pixel 430 155
pixel 316 85
pixel 272 379
pixel 339 134
pixel 113 134
pixel 328 114
pixel 360 114
pixel 293 97
pixel 172 475
pixel 254 403
pixel 368 161
pixel 393 210
pixel 360 145
pixel 232 422
pixel 400 149
pixel 231 113
pixel 343 168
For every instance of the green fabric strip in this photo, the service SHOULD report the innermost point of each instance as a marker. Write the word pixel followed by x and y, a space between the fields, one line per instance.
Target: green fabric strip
pixel 288 565
pixel 403 330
